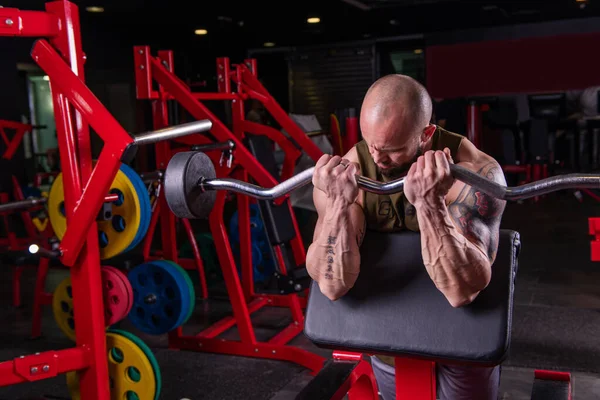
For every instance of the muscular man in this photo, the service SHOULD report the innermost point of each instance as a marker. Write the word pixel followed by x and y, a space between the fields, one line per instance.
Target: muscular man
pixel 459 226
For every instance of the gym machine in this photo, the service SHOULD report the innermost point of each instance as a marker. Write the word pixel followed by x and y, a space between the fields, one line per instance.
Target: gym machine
pixel 234 155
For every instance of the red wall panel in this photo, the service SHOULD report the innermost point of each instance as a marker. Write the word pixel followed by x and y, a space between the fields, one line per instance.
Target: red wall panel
pixel 527 65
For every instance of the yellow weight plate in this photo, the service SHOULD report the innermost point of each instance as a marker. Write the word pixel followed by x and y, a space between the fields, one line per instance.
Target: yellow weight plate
pixel 114 234
pixel 62 307
pixel 73 385
pixel 130 372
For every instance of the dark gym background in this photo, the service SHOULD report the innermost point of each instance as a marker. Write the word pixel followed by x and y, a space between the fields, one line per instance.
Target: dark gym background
pixel 459 50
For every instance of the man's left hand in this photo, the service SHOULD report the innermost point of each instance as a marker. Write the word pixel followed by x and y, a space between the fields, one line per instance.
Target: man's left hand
pixel 429 178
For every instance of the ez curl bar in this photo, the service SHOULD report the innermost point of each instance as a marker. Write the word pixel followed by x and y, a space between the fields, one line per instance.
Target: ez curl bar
pixel 191 185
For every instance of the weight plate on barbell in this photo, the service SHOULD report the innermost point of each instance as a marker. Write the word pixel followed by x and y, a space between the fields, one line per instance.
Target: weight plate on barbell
pixel 130 217
pixel 117 294
pixel 182 192
pixel 161 297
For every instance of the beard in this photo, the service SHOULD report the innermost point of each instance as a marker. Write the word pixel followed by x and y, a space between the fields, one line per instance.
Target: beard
pixel 398 171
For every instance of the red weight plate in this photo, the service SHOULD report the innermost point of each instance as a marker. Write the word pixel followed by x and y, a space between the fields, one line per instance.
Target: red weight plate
pixel 129 288
pixel 118 295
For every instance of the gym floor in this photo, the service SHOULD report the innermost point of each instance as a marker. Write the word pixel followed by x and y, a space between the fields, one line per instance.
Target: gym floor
pixel 556 322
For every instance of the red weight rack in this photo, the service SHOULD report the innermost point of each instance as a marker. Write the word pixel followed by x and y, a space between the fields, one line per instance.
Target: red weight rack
pixel 60 56
pixel 244 300
pixel 12 144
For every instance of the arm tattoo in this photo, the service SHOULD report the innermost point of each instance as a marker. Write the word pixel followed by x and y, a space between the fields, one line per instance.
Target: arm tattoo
pixel 478 215
pixel 330 254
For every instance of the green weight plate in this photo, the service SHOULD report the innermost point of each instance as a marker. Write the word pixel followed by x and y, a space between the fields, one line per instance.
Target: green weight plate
pixel 144 347
pixel 192 291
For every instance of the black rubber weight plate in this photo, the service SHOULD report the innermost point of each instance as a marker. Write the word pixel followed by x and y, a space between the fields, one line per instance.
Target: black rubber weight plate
pixel 183 194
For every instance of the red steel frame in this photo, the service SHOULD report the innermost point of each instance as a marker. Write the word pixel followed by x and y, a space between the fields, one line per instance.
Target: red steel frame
pixel 361 384
pixel 161 210
pixel 59 54
pixel 13 144
pixel 415 379
pixel 243 299
pixel 20 243
pixel 542 374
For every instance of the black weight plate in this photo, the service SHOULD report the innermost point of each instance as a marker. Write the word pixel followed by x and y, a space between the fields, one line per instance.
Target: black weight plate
pixel 184 196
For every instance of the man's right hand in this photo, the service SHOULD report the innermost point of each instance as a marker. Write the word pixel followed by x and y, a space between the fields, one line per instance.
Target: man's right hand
pixel 336 177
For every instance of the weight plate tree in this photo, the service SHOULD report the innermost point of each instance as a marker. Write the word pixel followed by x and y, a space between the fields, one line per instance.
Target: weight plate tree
pixel 120 227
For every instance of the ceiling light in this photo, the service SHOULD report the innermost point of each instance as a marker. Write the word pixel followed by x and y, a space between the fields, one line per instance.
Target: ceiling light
pixel 94 9
pixel 581 1
pixel 418 51
pixel 313 20
pixel 200 31
pixel 268 44
pixel 46 78
pixel 393 22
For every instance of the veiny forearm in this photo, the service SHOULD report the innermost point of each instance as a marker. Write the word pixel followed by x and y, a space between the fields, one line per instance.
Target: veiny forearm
pixel 459 269
pixel 333 259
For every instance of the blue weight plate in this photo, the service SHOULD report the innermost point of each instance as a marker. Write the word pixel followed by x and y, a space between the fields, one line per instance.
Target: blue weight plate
pixel 161 298
pixel 131 176
pixel 256 227
pixel 185 308
pixel 144 199
pixel 145 207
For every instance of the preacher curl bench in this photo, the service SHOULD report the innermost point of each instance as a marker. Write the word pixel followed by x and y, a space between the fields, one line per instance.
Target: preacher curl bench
pixel 395 309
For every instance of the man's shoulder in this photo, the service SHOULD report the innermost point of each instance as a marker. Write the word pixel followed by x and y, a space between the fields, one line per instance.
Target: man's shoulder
pixel 352 154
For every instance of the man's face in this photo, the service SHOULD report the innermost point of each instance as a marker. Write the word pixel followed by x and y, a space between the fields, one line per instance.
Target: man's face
pixel 393 151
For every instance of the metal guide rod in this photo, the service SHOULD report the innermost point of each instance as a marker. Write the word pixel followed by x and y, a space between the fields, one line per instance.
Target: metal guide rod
pixel 28 203
pixel 152 176
pixel 173 132
pixel 552 184
pixel 19 205
pixel 228 145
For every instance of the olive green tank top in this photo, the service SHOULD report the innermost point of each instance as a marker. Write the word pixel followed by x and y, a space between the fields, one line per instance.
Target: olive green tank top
pixel 393 213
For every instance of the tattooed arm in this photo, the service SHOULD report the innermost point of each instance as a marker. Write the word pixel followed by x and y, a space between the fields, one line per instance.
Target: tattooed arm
pixel 459 234
pixel 333 258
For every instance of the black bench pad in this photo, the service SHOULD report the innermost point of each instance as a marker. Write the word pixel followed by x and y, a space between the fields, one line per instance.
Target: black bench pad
pixel 395 309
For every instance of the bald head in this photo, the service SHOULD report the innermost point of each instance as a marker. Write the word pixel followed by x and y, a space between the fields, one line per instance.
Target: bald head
pixel 395 113
pixel 398 98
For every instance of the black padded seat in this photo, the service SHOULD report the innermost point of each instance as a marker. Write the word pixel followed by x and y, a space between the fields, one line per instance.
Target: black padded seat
pixel 395 309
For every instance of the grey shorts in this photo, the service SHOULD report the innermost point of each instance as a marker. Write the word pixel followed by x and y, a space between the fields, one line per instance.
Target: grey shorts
pixel 454 382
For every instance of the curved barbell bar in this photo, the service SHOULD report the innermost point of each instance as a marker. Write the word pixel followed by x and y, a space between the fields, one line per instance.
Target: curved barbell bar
pixel 537 188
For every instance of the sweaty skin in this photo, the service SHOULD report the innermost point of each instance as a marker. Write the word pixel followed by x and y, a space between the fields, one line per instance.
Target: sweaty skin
pixel 459 225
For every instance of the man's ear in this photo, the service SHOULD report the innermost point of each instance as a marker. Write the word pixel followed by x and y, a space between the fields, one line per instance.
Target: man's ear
pixel 428 132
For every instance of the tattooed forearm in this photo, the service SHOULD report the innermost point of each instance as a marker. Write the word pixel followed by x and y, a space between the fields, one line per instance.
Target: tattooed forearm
pixel 478 215
pixel 333 259
pixel 330 253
